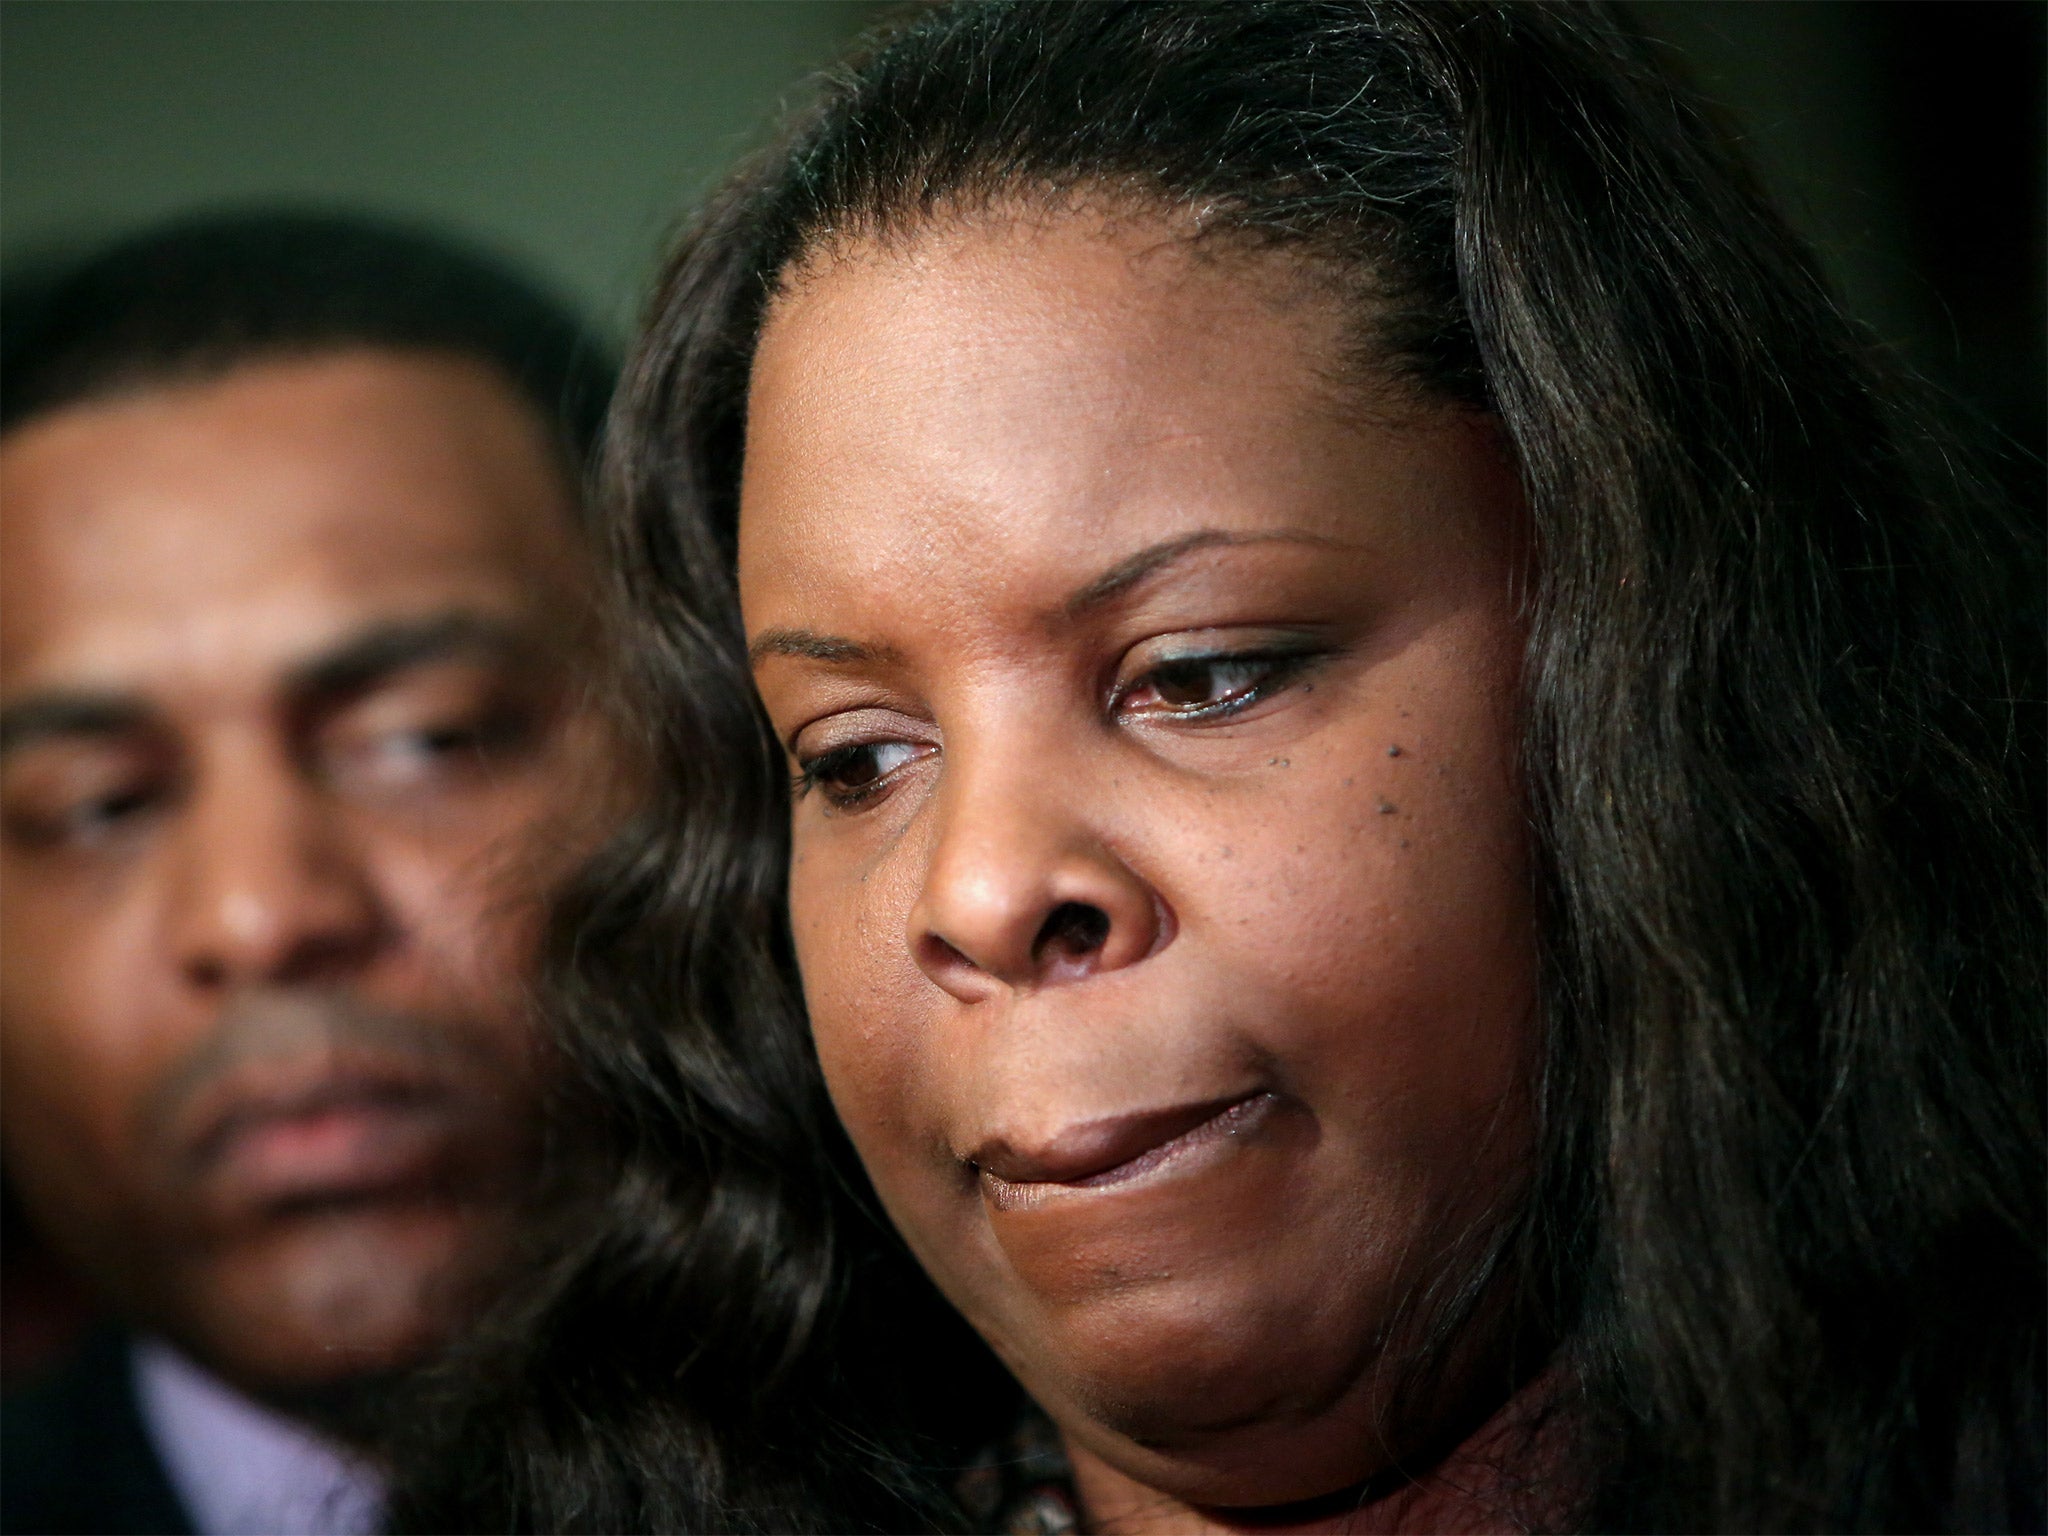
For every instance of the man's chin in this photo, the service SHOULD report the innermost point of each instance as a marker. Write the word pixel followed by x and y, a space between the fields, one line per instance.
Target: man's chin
pixel 328 1297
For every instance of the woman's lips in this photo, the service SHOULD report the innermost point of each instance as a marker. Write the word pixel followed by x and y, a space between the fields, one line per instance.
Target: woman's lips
pixel 1114 1151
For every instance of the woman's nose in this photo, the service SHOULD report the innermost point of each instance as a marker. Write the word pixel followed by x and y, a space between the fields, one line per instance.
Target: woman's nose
pixel 1022 891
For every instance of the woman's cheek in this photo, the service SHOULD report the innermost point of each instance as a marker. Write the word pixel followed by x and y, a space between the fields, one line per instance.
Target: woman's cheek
pixel 865 1002
pixel 1379 905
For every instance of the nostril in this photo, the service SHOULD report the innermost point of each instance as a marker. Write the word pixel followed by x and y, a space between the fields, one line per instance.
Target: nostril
pixel 1072 929
pixel 938 954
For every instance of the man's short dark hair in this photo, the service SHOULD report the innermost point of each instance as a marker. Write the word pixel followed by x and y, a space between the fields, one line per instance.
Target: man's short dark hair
pixel 196 298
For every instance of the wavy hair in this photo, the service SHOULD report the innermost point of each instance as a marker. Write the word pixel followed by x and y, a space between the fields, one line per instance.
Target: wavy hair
pixel 1785 1224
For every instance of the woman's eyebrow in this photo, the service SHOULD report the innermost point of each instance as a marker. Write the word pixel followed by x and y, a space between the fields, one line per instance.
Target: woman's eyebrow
pixel 1114 582
pixel 812 646
pixel 1148 562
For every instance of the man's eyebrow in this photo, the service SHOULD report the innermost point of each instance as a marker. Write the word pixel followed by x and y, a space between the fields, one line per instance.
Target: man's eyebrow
pixel 812 646
pixel 1134 569
pixel 367 658
pixel 43 716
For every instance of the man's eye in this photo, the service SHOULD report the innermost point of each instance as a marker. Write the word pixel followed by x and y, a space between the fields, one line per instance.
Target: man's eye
pixel 107 810
pixel 1197 687
pixel 850 775
pixel 406 754
pixel 104 815
pixel 438 741
pixel 85 822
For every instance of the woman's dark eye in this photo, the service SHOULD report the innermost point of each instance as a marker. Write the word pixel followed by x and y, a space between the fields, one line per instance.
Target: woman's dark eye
pixel 1201 686
pixel 851 774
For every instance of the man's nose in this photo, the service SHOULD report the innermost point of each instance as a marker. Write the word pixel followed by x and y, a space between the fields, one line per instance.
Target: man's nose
pixel 265 885
pixel 1023 890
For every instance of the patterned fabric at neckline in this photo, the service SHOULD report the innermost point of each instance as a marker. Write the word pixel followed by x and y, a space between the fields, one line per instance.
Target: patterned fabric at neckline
pixel 1022 1485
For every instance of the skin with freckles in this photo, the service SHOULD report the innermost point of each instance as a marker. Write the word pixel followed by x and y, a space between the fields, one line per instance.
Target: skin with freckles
pixel 1159 876
pixel 293 741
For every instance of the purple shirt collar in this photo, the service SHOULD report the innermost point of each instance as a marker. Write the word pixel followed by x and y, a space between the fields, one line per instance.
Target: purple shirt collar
pixel 242 1469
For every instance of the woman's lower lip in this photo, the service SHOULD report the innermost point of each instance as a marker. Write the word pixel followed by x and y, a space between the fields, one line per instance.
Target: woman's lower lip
pixel 1168 1158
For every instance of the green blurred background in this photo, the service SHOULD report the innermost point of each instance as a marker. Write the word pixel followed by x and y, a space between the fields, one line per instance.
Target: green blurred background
pixel 1904 137
pixel 567 133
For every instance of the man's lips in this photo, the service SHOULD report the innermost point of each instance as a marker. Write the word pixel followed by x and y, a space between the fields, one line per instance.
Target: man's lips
pixel 1116 1150
pixel 335 1145
pixel 329 1126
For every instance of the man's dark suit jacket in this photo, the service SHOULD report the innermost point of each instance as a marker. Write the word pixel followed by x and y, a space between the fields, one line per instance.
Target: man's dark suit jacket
pixel 75 1458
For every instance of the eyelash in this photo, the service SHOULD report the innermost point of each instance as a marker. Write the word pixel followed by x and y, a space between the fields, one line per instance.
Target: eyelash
pixel 816 774
pixel 1279 668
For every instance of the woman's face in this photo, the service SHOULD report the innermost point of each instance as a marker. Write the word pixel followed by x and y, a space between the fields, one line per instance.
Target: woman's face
pixel 1159 879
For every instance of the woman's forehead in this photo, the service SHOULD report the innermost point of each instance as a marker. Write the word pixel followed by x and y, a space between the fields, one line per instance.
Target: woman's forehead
pixel 1119 290
pixel 1044 374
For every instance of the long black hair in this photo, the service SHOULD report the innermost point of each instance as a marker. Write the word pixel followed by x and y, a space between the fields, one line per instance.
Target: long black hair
pixel 1786 1219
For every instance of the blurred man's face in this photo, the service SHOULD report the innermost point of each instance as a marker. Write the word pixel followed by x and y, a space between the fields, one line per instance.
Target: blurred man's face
pixel 294 739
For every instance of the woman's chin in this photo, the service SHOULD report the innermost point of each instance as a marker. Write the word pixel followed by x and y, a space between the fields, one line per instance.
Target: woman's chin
pixel 1273 1412
pixel 1278 1458
pixel 1217 1335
